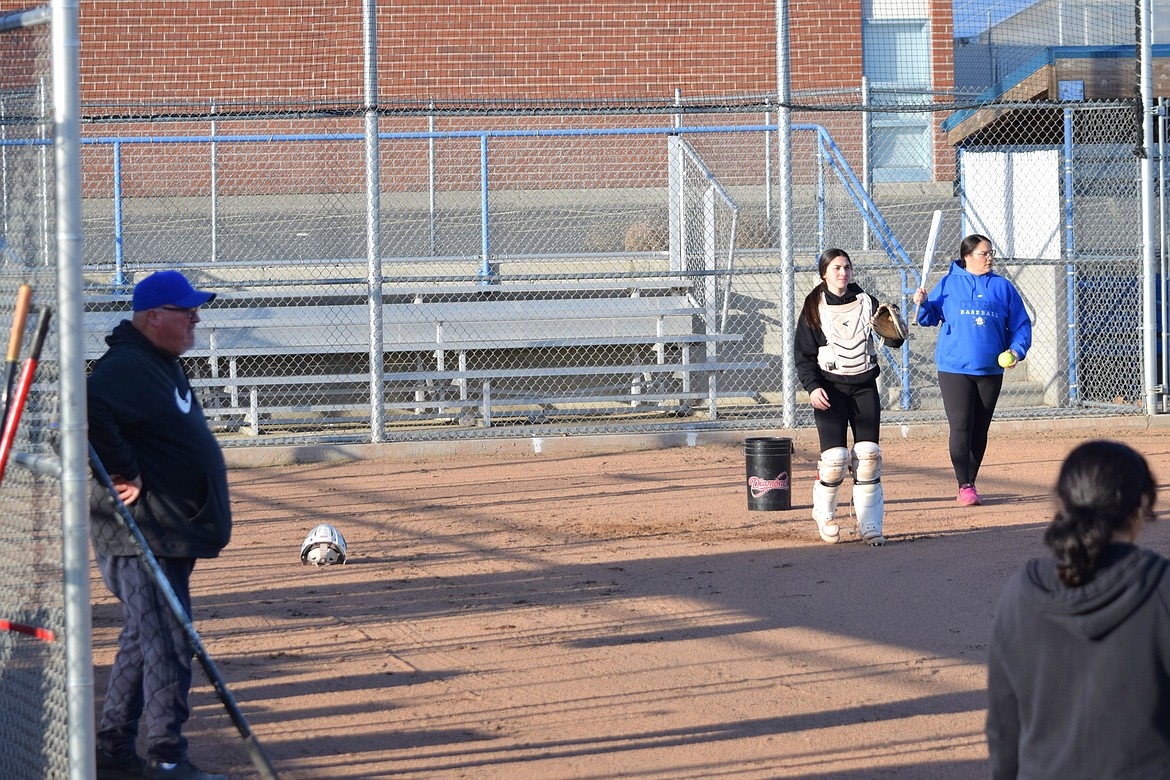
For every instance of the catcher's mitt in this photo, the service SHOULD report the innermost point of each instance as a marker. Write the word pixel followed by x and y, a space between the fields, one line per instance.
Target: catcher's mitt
pixel 887 323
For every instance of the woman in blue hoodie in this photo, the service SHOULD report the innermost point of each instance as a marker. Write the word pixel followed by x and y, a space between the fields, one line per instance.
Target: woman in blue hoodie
pixel 980 316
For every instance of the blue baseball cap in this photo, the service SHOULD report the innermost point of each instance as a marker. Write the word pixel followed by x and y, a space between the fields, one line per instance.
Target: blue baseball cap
pixel 168 288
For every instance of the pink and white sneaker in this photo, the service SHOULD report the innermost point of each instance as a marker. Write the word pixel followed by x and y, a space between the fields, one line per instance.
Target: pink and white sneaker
pixel 968 496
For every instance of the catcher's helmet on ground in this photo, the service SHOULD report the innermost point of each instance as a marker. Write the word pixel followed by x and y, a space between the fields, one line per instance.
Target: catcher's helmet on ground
pixel 323 546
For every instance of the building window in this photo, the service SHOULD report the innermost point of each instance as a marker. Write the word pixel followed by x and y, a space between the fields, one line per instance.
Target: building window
pixel 896 61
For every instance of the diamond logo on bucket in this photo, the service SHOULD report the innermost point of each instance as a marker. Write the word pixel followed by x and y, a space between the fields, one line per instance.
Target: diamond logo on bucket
pixel 760 486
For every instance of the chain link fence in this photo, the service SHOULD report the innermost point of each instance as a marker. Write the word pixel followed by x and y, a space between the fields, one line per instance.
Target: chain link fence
pixel 447 267
pixel 33 664
pixel 542 275
pixel 542 268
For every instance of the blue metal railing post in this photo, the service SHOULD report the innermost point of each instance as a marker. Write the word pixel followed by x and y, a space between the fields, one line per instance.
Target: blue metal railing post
pixel 4 168
pixel 821 159
pixel 1163 266
pixel 903 305
pixel 1069 256
pixel 964 229
pixel 768 175
pixel 119 276
pixel 485 269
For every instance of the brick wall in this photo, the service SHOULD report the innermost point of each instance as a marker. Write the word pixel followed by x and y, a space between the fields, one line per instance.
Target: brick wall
pixel 943 77
pixel 825 44
pixel 199 51
pixel 253 50
pixel 237 53
pixel 227 51
pixel 604 48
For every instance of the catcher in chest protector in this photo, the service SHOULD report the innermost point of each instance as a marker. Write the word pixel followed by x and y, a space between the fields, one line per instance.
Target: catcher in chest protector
pixel 836 362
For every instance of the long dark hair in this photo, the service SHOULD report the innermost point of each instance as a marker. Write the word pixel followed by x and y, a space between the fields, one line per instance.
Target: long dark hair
pixel 968 245
pixel 811 311
pixel 1104 487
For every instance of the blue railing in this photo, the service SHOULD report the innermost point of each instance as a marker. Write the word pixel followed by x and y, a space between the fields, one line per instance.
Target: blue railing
pixel 827 153
pixel 483 137
pixel 830 154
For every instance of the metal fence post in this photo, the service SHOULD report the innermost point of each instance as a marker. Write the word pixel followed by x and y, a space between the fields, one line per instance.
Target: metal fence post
pixel 374 225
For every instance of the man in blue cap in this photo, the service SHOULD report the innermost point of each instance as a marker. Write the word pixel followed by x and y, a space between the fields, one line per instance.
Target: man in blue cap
pixel 148 429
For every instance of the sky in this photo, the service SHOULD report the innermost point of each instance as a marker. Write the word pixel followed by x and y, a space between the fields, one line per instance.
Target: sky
pixel 971 16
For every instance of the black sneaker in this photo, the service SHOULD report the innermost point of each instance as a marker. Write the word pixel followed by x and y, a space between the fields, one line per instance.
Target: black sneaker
pixel 184 770
pixel 124 766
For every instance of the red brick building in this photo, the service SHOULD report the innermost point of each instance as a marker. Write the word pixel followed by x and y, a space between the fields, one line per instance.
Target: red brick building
pixel 196 53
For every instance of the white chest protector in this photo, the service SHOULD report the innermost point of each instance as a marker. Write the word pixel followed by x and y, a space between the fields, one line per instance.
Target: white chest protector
pixel 849 350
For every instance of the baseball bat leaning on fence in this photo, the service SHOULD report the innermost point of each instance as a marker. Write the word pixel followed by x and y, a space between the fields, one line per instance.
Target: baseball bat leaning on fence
pixel 16 403
pixel 19 317
pixel 259 758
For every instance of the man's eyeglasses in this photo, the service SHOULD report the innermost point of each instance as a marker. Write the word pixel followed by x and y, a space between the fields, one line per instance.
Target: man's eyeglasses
pixel 191 313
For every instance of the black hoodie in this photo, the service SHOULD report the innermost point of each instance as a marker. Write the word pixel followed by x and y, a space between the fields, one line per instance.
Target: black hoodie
pixel 144 420
pixel 1079 678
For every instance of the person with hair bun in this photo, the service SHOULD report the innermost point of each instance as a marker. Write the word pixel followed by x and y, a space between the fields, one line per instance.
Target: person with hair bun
pixel 1079 663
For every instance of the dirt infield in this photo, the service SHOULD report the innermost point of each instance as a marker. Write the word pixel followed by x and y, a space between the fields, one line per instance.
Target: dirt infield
pixel 593 614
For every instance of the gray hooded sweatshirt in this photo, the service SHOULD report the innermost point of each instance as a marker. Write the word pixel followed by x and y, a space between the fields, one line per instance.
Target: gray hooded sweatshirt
pixel 1079 678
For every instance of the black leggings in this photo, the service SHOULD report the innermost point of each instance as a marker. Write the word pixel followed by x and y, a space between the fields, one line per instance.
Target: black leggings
pixel 851 406
pixel 970 403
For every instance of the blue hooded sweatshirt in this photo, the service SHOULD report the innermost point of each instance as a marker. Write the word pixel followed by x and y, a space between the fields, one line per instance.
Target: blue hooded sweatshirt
pixel 979 317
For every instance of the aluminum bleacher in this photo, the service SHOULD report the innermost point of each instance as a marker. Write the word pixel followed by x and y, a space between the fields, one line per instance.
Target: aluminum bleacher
pixel 268 359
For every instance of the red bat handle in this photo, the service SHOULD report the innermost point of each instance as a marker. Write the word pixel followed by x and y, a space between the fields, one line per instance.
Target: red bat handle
pixel 17 407
pixel 24 628
pixel 22 388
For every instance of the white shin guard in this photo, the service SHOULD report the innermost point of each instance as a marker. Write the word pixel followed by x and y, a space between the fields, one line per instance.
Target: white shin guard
pixel 830 474
pixel 868 498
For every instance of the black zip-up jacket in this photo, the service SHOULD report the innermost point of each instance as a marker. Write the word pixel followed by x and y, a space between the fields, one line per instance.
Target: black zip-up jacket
pixel 1079 678
pixel 144 420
